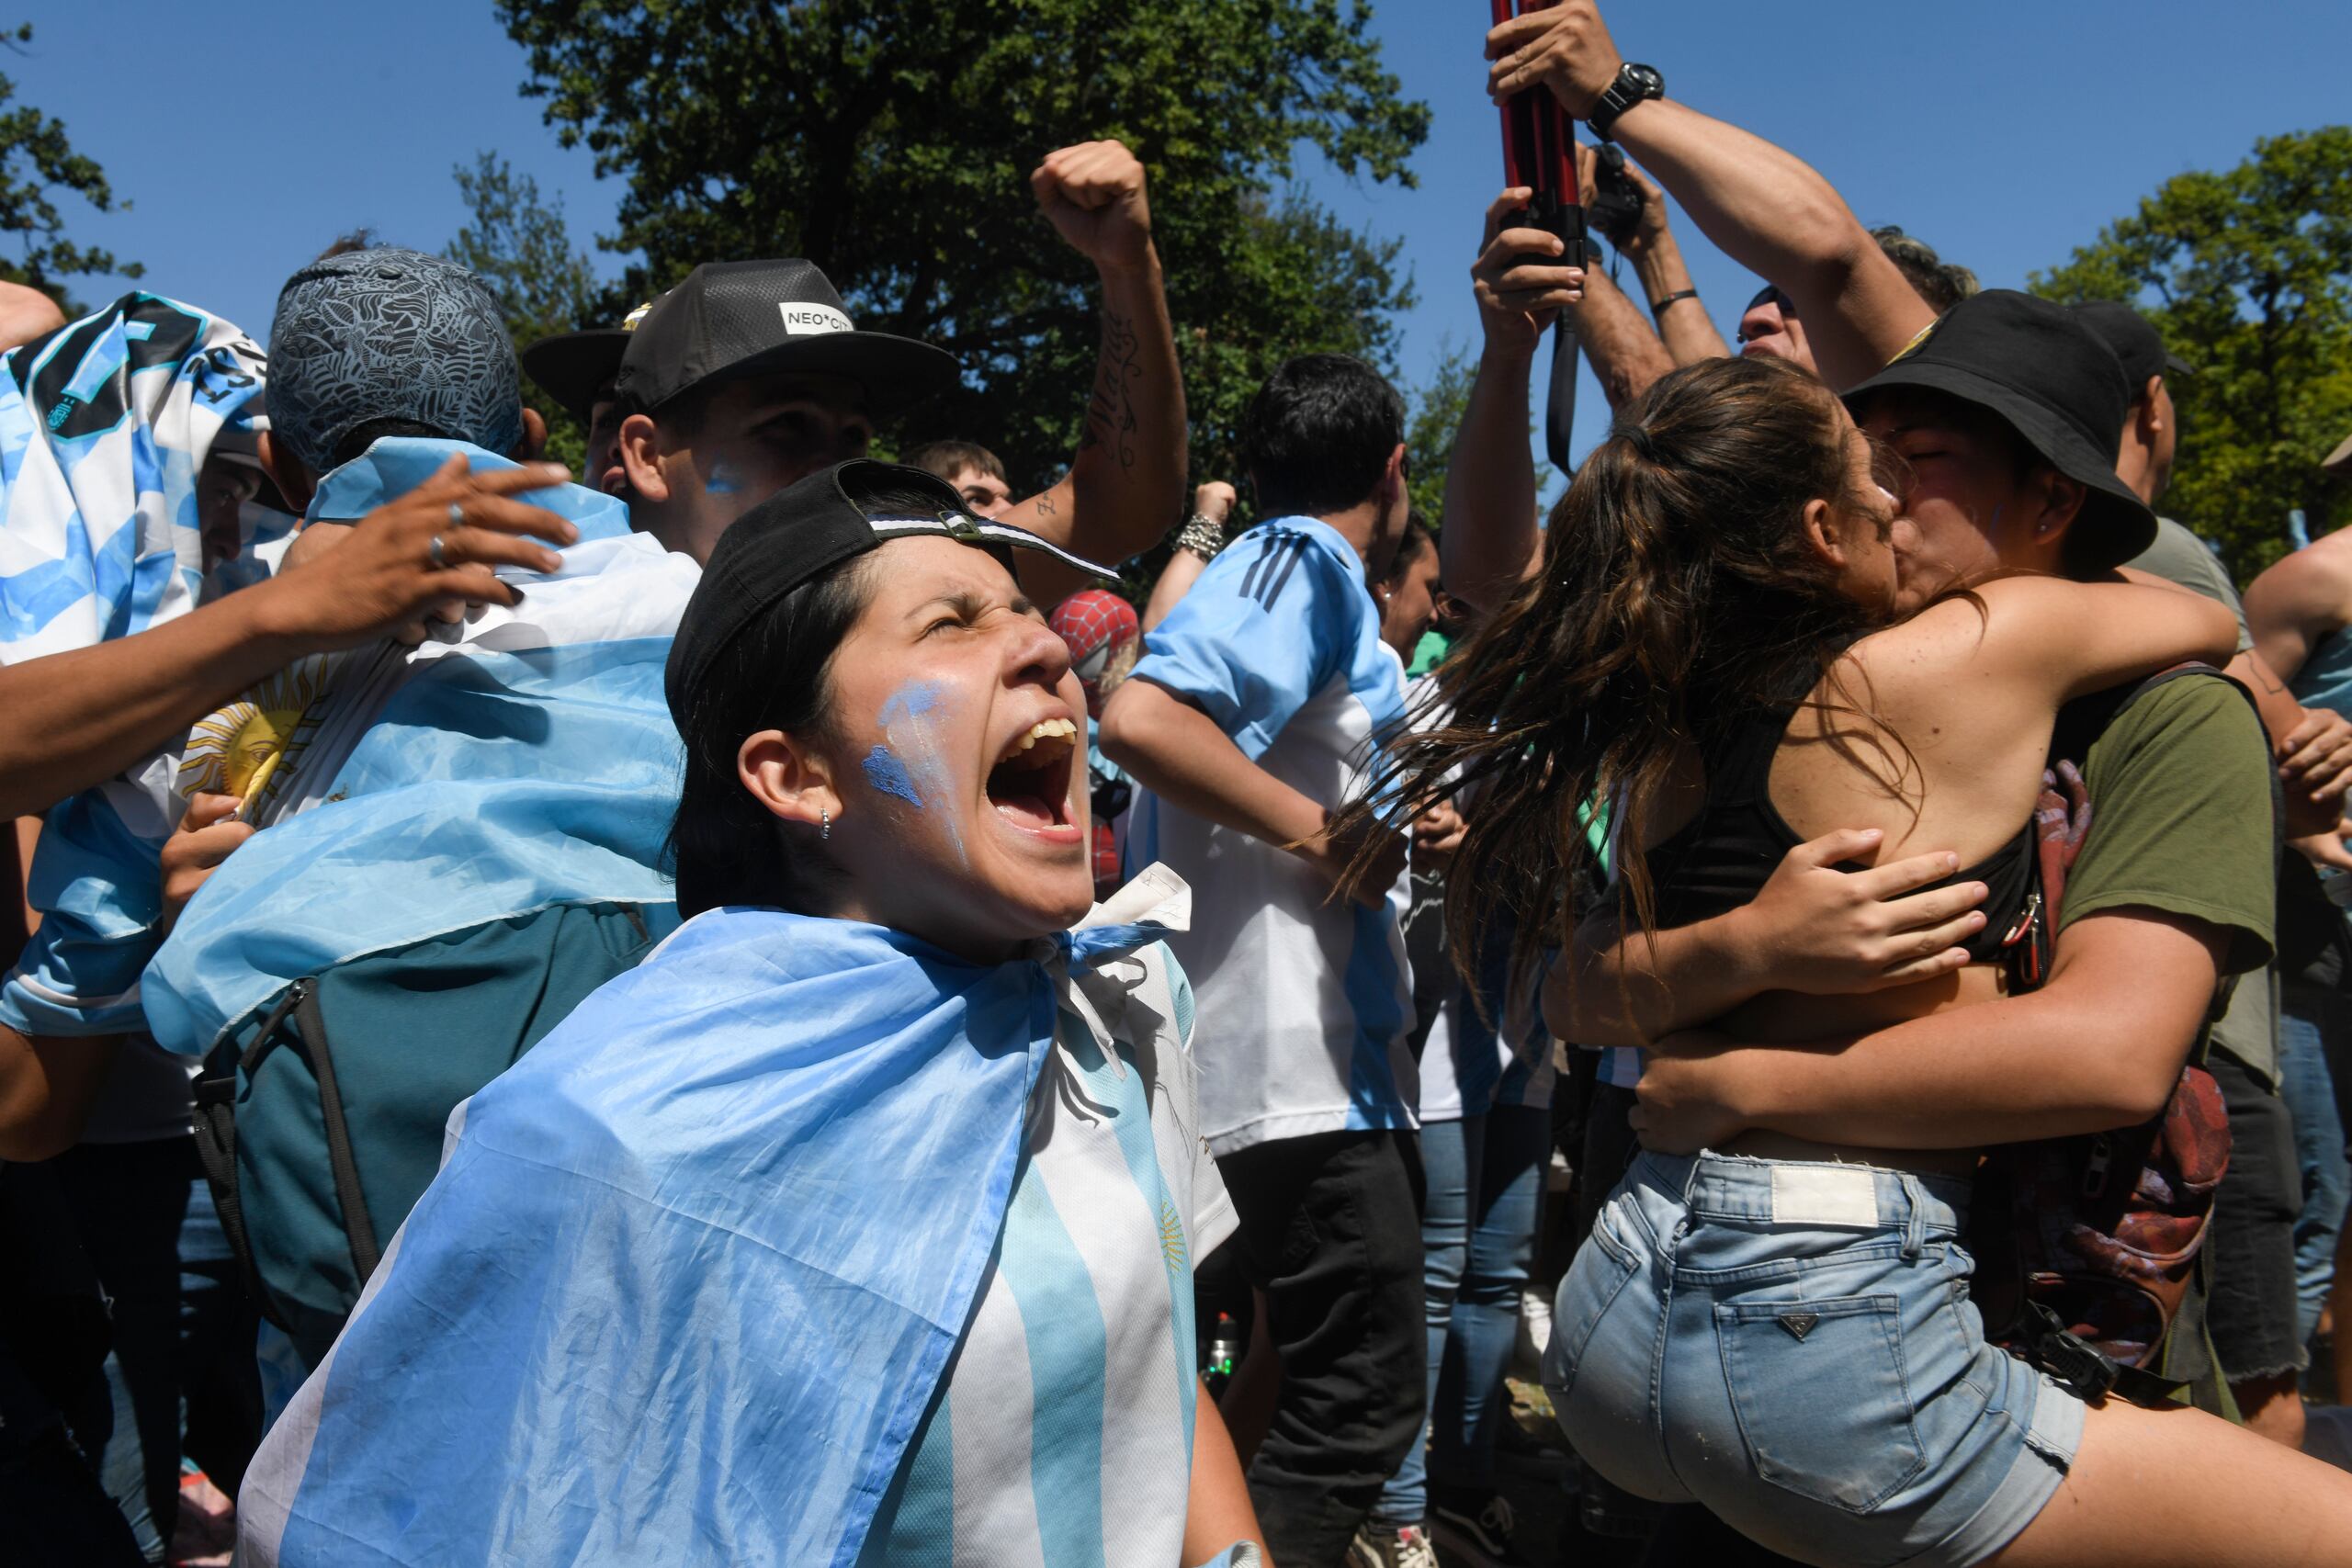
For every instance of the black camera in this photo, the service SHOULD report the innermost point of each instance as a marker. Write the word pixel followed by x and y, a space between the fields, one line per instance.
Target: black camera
pixel 1616 207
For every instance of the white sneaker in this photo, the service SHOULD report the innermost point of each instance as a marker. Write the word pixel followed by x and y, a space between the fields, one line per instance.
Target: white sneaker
pixel 1534 1333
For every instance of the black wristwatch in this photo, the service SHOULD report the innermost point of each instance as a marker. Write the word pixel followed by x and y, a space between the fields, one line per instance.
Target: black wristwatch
pixel 1634 83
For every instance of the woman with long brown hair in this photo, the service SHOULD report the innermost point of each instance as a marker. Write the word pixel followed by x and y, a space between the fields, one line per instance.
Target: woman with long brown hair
pixel 1712 645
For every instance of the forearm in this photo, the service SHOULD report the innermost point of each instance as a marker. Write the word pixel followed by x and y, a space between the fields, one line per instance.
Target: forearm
pixel 1616 336
pixel 49 1085
pixel 1177 752
pixel 2279 710
pixel 1629 989
pixel 1217 1512
pixel 1176 580
pixel 73 720
pixel 2314 797
pixel 2283 645
pixel 1490 543
pixel 1127 483
pixel 1686 329
pixel 1771 212
pixel 2011 1071
pixel 2099 1047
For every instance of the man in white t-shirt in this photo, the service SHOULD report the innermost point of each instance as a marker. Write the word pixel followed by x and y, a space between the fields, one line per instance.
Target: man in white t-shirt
pixel 1251 719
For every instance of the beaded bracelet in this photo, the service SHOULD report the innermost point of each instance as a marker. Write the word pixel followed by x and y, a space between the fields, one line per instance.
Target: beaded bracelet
pixel 1201 536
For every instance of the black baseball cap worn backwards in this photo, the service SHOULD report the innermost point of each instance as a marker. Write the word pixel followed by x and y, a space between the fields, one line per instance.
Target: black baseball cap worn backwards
pixel 2052 379
pixel 771 318
pixel 811 527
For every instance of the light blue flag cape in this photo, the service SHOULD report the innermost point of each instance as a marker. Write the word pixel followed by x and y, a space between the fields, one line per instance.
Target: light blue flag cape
pixel 530 762
pixel 691 1270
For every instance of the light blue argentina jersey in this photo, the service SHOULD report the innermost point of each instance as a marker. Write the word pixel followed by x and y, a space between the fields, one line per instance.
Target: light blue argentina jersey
pixel 1062 1435
pixel 1306 1001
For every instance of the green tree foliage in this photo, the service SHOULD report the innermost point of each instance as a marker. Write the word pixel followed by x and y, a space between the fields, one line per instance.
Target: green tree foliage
pixel 518 245
pixel 893 144
pixel 2248 275
pixel 1437 406
pixel 35 160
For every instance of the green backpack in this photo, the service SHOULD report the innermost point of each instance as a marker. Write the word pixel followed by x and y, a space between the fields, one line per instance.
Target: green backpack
pixel 321 1125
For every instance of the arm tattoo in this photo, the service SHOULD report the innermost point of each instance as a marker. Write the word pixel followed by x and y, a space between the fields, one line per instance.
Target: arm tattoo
pixel 1111 410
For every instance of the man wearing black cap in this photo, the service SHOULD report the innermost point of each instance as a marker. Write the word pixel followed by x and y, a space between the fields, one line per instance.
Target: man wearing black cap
pixel 577 369
pixel 750 374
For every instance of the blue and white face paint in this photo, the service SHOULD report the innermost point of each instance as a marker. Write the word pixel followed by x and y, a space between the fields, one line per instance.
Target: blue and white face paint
pixel 886 775
pixel 954 746
pixel 910 723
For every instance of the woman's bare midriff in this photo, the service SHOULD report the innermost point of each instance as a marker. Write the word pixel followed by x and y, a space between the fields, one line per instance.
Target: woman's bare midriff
pixel 1792 1018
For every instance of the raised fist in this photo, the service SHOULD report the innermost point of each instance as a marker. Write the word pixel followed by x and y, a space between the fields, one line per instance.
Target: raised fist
pixel 1094 195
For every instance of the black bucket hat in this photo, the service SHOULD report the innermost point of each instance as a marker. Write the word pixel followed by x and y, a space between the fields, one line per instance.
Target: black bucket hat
pixel 2052 380
pixel 754 318
pixel 808 528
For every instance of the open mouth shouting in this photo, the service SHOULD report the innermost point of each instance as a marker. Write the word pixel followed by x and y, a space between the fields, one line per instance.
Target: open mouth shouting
pixel 1029 785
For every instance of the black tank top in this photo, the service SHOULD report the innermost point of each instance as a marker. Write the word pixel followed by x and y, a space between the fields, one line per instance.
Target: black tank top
pixel 1721 858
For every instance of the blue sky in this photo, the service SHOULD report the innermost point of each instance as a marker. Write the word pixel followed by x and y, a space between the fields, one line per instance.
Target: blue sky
pixel 2005 132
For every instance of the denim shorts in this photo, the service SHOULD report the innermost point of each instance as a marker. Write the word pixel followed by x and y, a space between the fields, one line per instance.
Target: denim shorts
pixel 1792 1346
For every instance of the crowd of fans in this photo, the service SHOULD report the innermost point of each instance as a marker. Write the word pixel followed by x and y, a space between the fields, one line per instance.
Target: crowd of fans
pixel 745 1005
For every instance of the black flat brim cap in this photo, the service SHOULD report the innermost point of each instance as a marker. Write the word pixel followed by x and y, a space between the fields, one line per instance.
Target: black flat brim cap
pixel 730 321
pixel 807 529
pixel 896 372
pixel 573 367
pixel 2052 381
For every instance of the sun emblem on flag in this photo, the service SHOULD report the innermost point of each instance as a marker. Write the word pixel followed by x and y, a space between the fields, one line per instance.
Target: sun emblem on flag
pixel 1171 1237
pixel 250 746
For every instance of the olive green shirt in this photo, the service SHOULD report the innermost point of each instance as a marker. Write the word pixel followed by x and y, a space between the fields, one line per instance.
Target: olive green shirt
pixel 2180 556
pixel 2179 786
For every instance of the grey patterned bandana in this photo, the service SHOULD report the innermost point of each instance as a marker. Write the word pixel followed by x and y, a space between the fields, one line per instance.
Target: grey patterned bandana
pixel 389 334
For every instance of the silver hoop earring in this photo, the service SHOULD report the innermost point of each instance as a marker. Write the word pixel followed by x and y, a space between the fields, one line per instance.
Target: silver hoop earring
pixel 824 823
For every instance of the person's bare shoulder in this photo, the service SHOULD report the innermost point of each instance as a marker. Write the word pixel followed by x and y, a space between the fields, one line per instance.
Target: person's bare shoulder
pixel 1951 630
pixel 1991 632
pixel 2311 587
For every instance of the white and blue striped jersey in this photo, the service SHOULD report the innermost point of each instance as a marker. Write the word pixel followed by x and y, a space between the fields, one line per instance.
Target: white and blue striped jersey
pixel 1306 999
pixel 104 428
pixel 1062 1434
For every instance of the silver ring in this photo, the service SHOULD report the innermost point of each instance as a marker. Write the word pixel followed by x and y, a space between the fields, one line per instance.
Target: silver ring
pixel 457 514
pixel 433 550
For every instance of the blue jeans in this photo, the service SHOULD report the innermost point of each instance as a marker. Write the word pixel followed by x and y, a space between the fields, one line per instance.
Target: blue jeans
pixel 1792 1345
pixel 1484 1176
pixel 2309 1017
